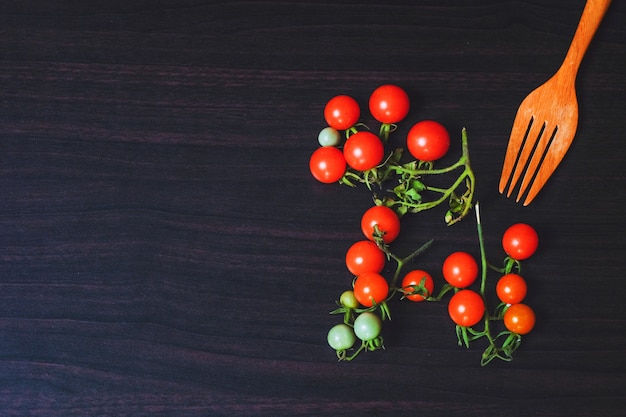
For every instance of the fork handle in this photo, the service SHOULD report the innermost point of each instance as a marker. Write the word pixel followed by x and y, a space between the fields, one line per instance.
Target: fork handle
pixel 589 21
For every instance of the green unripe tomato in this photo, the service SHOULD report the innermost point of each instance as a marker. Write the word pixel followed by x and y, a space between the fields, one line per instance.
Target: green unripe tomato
pixel 341 337
pixel 329 136
pixel 348 300
pixel 367 326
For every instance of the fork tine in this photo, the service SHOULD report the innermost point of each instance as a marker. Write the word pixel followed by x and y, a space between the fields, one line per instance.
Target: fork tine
pixel 553 157
pixel 518 133
pixel 547 135
pixel 545 171
pixel 534 133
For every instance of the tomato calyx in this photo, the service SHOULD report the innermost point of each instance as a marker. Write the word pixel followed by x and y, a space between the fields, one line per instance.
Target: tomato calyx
pixel 385 130
pixel 417 290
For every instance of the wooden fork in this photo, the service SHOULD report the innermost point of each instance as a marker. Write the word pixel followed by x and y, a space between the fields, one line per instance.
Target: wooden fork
pixel 547 119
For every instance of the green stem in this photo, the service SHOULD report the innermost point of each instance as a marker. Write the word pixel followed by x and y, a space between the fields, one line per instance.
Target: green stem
pixel 400 263
pixel 406 259
pixel 446 193
pixel 492 351
pixel 483 279
pixel 356 353
pixel 437 190
pixel 385 129
pixel 446 288
pixel 483 255
pixel 495 268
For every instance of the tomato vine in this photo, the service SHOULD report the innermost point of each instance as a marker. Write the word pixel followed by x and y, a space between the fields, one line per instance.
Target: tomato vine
pixel 411 193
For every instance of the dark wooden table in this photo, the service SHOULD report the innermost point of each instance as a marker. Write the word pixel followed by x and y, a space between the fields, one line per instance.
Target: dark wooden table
pixel 164 250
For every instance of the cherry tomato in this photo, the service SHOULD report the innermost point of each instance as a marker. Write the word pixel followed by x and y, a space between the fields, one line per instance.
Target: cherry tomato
pixel 347 299
pixel 363 151
pixel 519 318
pixel 370 288
pixel 327 164
pixel 428 140
pixel 365 256
pixel 329 136
pixel 460 269
pixel 415 278
pixel 389 104
pixel 342 112
pixel 385 218
pixel 367 326
pixel 511 288
pixel 466 308
pixel 520 241
pixel 341 337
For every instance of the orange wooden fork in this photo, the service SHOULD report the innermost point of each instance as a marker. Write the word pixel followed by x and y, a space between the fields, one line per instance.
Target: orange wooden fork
pixel 547 119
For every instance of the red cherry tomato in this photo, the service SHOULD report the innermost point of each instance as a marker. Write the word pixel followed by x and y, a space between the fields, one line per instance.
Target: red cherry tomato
pixel 365 256
pixel 385 218
pixel 466 308
pixel 363 151
pixel 389 104
pixel 520 241
pixel 519 318
pixel 511 288
pixel 342 112
pixel 428 140
pixel 414 279
pixel 327 164
pixel 370 288
pixel 460 269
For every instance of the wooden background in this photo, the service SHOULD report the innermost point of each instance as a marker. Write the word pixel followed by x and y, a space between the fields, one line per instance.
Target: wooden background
pixel 164 250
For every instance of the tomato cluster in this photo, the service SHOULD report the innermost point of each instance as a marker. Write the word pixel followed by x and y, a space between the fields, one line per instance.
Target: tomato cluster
pixel 389 104
pixel 366 260
pixel 520 241
pixel 348 154
pixel 363 150
pixel 467 306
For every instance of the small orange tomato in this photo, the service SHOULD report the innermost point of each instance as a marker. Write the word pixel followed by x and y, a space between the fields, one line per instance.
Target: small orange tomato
pixel 519 319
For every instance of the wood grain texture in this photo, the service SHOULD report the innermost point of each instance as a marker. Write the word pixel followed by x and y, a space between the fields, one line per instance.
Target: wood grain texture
pixel 165 252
